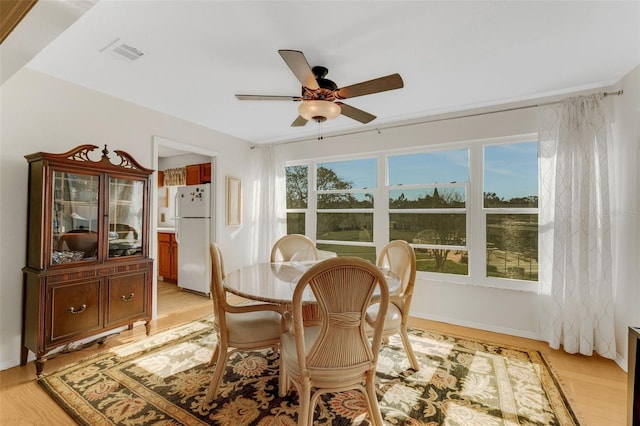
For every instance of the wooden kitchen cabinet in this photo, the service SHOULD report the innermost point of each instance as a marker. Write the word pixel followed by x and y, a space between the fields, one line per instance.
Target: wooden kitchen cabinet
pixel 167 256
pixel 205 170
pixel 88 268
pixel 193 174
pixel 198 173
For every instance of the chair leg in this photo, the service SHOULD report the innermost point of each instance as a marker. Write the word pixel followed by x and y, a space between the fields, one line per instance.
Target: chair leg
pixel 283 381
pixel 221 365
pixel 314 402
pixel 409 350
pixel 372 400
pixel 305 413
pixel 214 356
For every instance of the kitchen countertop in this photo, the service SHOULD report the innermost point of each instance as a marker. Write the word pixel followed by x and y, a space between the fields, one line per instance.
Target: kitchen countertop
pixel 167 230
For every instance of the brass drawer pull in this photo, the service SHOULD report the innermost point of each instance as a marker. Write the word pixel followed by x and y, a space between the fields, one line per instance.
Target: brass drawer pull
pixel 79 311
pixel 126 299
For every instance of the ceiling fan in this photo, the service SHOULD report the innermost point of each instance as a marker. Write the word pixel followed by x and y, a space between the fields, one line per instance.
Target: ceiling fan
pixel 321 98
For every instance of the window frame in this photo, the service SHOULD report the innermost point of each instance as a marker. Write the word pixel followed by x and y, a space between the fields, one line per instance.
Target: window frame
pixel 304 210
pixel 474 209
pixel 508 283
pixel 465 185
pixel 313 168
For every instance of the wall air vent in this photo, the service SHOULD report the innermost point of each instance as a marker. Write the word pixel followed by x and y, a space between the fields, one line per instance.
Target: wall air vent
pixel 122 50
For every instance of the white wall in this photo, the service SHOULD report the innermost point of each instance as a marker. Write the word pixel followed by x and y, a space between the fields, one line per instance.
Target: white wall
pixel 502 310
pixel 40 113
pixel 625 211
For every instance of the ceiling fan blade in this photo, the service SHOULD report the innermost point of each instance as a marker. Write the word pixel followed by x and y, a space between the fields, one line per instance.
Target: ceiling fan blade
pixel 300 67
pixel 268 98
pixel 355 113
pixel 377 85
pixel 299 122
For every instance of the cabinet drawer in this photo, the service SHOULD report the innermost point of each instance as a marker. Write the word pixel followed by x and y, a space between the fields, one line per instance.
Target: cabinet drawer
pixel 166 237
pixel 127 298
pixel 74 309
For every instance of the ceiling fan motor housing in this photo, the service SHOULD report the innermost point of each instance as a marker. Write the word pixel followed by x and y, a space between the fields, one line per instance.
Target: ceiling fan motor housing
pixel 327 89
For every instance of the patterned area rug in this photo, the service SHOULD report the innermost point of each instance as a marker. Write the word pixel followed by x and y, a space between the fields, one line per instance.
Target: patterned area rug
pixel 163 379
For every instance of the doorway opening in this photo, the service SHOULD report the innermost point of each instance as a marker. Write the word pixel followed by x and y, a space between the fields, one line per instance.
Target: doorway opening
pixel 168 298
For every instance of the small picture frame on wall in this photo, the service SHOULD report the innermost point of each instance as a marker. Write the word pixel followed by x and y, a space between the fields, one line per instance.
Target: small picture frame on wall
pixel 234 201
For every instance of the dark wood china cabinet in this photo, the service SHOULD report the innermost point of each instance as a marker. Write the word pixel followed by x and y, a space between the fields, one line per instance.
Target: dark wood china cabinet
pixel 88 267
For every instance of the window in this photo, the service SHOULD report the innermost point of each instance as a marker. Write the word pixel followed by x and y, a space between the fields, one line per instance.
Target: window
pixel 511 210
pixel 297 178
pixel 345 198
pixel 470 212
pixel 428 207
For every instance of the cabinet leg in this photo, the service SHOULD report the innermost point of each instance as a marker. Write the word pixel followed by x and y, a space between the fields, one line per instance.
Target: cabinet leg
pixel 130 327
pixel 40 366
pixel 24 354
pixel 147 327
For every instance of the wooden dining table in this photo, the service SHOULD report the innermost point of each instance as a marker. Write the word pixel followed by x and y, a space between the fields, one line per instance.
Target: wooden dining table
pixel 275 282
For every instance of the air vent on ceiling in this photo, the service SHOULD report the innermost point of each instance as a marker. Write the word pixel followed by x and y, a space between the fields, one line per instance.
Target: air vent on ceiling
pixel 122 51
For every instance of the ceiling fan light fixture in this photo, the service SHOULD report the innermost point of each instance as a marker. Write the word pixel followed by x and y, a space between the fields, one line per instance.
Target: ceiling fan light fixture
pixel 319 111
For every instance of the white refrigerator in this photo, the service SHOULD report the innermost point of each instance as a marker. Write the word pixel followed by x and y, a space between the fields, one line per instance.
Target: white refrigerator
pixel 193 235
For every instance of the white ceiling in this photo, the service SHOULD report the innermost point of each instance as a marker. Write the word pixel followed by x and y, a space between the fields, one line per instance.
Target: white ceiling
pixel 452 55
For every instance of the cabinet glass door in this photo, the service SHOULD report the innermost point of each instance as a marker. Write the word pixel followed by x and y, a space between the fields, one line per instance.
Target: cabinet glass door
pixel 126 202
pixel 75 229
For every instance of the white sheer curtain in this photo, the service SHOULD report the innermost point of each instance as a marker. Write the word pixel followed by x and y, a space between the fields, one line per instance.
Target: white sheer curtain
pixel 575 246
pixel 269 216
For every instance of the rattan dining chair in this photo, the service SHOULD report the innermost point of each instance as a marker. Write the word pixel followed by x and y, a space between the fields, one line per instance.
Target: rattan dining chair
pixel 238 327
pixel 399 257
pixel 337 355
pixel 288 245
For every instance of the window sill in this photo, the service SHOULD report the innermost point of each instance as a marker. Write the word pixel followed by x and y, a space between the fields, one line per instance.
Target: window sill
pixel 495 283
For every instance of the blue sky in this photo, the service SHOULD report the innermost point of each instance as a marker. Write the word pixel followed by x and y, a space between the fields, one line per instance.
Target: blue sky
pixel 432 167
pixel 362 173
pixel 510 170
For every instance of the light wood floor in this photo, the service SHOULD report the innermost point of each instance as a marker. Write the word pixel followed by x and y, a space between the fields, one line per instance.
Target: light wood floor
pixel 596 387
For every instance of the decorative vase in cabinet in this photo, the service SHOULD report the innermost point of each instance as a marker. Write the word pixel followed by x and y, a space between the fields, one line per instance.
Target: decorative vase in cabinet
pixel 88 269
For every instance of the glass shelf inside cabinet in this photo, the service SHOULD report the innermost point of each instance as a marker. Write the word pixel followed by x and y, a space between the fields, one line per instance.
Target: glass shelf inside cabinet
pixel 74 235
pixel 126 201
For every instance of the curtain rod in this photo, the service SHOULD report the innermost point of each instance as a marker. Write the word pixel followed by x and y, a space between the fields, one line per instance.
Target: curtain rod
pixel 397 126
